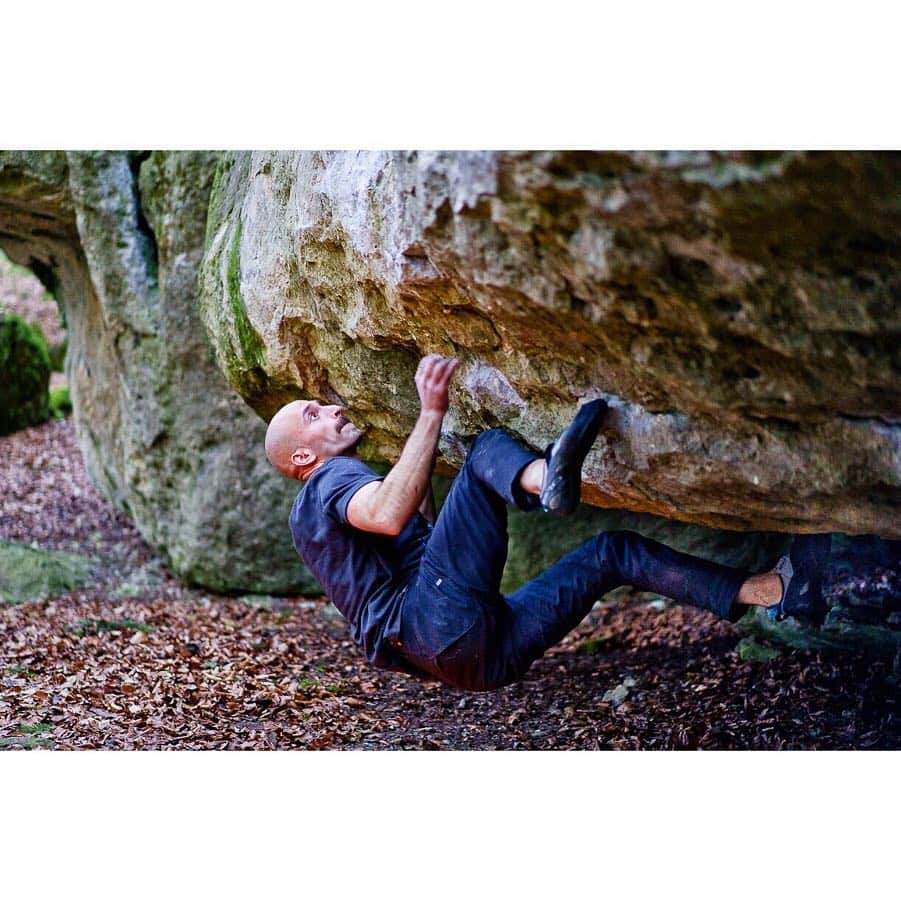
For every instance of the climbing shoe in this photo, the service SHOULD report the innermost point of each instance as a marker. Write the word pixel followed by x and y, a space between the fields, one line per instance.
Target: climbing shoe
pixel 801 573
pixel 563 482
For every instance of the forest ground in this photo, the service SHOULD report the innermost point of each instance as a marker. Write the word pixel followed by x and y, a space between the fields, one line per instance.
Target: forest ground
pixel 174 667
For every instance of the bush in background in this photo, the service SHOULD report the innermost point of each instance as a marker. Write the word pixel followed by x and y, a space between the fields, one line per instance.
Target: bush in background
pixel 24 375
pixel 60 402
pixel 58 356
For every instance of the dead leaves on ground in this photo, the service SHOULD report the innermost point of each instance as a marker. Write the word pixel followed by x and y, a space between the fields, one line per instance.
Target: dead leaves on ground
pixel 173 673
pixel 188 671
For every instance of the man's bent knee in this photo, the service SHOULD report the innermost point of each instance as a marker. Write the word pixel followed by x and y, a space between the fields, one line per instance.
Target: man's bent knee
pixel 486 439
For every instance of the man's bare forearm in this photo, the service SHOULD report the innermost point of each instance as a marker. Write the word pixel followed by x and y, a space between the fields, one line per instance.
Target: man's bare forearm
pixel 389 507
pixel 404 488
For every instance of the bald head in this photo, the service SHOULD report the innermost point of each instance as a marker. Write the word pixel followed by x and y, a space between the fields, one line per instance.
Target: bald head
pixel 304 434
pixel 283 437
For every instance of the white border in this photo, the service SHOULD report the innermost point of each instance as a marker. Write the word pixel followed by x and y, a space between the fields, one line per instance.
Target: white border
pixel 449 825
pixel 461 75
pixel 468 74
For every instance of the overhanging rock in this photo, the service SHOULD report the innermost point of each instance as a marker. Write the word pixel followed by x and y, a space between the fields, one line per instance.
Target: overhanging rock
pixel 738 310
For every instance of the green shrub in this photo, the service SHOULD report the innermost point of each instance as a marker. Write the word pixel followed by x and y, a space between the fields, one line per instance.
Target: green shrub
pixel 60 403
pixel 58 356
pixel 24 375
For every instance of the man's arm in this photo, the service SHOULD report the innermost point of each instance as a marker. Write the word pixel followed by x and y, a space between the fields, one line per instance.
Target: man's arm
pixel 385 507
pixel 427 507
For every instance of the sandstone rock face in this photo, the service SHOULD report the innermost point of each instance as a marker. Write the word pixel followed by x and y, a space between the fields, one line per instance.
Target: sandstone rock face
pixel 118 238
pixel 739 312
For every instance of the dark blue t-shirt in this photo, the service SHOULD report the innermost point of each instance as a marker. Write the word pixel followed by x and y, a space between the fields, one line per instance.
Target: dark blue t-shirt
pixel 361 572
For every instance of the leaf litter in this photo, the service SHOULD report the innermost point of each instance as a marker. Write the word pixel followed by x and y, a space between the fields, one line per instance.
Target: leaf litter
pixel 179 668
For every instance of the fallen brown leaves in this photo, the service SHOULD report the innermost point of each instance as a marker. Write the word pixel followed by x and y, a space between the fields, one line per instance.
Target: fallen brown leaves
pixel 178 668
pixel 217 673
pixel 205 673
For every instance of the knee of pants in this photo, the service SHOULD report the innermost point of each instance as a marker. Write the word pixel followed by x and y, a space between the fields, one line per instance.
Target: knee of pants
pixel 483 440
pixel 616 542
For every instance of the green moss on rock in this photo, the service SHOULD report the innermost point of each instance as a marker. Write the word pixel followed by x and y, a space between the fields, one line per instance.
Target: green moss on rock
pixel 834 634
pixel 750 650
pixel 27 574
pixel 60 402
pixel 58 355
pixel 250 347
pixel 249 354
pixel 24 375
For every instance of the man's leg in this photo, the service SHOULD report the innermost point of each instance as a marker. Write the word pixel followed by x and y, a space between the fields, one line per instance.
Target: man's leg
pixel 461 630
pixel 468 545
pixel 451 608
pixel 545 609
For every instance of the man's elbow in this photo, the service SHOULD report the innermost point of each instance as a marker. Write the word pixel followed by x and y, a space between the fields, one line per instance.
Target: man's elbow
pixel 389 527
pixel 375 521
pixel 384 520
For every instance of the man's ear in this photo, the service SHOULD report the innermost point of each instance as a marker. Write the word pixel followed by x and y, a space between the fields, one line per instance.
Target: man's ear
pixel 303 456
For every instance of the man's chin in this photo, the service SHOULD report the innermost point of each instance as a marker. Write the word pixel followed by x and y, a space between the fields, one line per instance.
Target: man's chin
pixel 352 435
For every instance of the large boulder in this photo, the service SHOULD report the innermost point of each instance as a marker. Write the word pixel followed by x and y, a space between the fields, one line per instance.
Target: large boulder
pixel 738 310
pixel 117 238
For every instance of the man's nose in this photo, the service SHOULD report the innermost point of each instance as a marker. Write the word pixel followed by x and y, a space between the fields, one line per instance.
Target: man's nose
pixel 337 411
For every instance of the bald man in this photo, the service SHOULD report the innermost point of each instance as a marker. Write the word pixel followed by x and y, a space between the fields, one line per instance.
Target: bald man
pixel 423 596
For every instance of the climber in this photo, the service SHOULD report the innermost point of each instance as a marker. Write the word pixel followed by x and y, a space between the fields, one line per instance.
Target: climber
pixel 422 595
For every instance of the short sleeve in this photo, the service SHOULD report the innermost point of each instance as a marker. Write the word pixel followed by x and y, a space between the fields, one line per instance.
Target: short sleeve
pixel 339 480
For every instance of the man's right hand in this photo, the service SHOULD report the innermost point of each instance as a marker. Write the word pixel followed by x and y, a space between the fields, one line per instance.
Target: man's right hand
pixel 386 507
pixel 432 381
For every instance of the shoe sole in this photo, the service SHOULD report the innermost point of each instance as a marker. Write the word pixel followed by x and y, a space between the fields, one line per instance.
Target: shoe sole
pixel 563 482
pixel 806 559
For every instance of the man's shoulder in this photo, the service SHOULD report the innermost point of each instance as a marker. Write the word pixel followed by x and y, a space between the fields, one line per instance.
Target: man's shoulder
pixel 339 470
pixel 337 475
pixel 342 464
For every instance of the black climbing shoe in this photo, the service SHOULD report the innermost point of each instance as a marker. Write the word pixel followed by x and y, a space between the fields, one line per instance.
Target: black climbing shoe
pixel 563 482
pixel 801 573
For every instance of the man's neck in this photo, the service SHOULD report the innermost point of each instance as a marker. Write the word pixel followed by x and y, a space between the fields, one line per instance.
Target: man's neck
pixel 351 452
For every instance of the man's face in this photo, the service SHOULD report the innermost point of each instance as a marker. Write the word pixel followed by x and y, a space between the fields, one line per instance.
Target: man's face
pixel 325 430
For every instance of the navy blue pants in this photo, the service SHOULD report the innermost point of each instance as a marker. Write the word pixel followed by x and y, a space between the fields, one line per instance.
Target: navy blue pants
pixel 459 628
